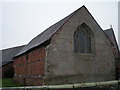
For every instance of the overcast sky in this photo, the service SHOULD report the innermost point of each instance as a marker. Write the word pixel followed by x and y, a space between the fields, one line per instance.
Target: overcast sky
pixel 20 22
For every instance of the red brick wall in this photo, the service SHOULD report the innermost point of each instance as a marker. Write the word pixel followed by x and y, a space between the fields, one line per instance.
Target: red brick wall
pixel 30 68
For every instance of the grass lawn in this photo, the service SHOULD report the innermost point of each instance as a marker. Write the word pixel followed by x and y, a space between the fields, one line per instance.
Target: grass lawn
pixel 8 82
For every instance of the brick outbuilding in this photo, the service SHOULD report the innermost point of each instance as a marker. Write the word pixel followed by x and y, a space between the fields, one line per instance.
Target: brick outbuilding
pixel 73 50
pixel 6 66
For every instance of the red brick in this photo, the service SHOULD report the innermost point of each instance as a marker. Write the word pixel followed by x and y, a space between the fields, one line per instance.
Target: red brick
pixel 30 67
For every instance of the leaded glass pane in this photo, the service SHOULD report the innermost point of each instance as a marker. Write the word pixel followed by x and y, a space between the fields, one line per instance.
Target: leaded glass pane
pixel 82 39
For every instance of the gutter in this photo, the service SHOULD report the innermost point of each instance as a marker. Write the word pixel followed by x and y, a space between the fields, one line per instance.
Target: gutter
pixel 92 84
pixel 79 85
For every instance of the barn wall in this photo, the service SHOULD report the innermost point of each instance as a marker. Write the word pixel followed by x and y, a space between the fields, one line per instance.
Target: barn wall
pixel 29 68
pixel 1 72
pixel 65 66
pixel 118 68
pixel 7 70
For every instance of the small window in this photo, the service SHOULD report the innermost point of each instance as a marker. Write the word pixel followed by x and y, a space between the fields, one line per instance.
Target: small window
pixel 82 39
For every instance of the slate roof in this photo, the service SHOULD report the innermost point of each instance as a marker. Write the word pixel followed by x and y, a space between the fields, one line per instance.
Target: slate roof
pixel 8 54
pixel 47 34
pixel 111 35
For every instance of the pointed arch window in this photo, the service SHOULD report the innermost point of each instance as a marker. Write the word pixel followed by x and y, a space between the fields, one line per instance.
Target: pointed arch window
pixel 83 39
